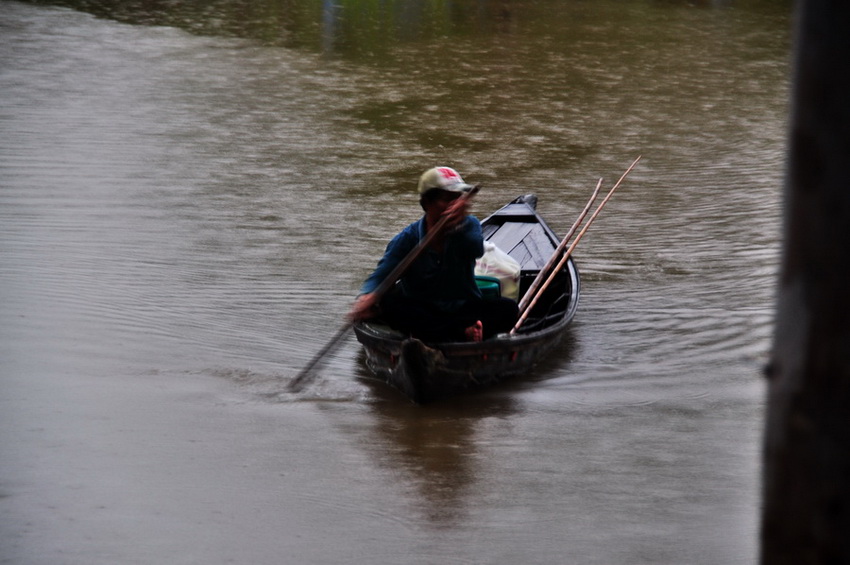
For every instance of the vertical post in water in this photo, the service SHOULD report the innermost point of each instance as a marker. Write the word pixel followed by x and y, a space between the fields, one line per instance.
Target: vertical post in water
pixel 806 506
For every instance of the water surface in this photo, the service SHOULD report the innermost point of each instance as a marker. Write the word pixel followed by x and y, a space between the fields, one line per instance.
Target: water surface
pixel 190 199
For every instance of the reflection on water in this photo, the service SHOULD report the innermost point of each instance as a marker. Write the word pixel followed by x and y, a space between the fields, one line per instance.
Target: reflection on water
pixel 435 451
pixel 179 204
pixel 432 448
pixel 364 29
pixel 350 27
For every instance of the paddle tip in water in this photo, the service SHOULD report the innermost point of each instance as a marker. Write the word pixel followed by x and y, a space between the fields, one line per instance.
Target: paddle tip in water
pixel 308 373
pixel 298 384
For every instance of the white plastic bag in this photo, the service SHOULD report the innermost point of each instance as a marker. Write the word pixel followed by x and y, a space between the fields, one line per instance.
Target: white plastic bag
pixel 498 264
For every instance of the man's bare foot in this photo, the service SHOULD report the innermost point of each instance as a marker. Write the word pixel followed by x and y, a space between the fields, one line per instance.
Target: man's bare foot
pixel 475 332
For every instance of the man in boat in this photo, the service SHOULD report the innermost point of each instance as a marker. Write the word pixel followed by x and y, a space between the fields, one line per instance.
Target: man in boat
pixel 437 299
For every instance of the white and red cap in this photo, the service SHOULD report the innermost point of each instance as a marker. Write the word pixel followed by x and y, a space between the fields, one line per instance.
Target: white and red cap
pixel 443 178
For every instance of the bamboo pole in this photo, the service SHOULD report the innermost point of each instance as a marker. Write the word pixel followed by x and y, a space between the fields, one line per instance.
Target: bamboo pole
pixel 569 251
pixel 541 276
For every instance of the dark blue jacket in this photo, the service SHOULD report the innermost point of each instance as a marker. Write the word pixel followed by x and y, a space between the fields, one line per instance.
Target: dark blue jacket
pixel 445 279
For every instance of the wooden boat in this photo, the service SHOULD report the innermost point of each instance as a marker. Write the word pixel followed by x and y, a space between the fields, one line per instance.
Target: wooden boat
pixel 426 372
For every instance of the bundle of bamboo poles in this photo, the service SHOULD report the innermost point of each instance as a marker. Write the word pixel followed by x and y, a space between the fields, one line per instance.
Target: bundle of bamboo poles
pixel 559 258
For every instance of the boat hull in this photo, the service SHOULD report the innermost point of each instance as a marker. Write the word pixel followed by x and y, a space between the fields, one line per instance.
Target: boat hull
pixel 427 372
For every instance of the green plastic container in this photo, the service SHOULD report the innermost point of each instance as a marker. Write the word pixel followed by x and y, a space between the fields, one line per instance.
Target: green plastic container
pixel 489 286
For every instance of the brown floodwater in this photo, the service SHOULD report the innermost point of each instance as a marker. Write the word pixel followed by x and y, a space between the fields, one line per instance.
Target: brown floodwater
pixel 191 195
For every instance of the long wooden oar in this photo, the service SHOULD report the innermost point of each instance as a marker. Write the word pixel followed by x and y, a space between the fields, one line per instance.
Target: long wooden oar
pixel 544 272
pixel 569 251
pixel 304 376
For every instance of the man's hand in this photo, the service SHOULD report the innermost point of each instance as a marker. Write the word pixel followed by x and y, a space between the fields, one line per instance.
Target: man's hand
pixel 456 212
pixel 364 307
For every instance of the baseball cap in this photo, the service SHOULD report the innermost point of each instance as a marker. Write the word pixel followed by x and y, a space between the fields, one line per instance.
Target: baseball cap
pixel 444 178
